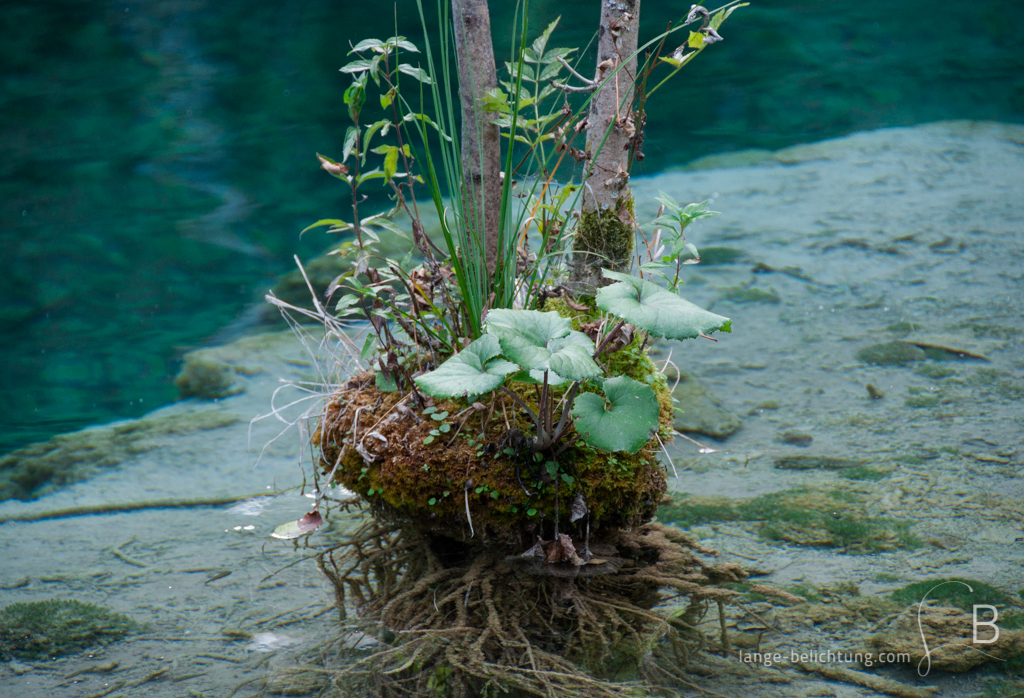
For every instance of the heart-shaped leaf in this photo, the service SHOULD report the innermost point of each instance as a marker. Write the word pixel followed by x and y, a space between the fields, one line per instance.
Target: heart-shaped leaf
pixel 652 308
pixel 473 371
pixel 543 341
pixel 625 423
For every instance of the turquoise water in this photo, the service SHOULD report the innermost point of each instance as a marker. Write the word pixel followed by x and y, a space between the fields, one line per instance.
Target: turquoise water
pixel 159 156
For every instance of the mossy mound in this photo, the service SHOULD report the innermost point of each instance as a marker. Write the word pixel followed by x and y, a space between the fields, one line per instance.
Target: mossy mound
pixel 55 628
pixel 801 517
pixel 473 482
pixel 468 475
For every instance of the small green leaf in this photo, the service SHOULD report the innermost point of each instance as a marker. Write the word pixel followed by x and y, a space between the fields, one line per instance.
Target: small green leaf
pixel 625 424
pixel 531 512
pixel 568 479
pixel 430 410
pixel 366 45
pixel 652 308
pixel 445 428
pixel 415 72
pixel 390 164
pixel 351 136
pixel 696 40
pixel 385 385
pixel 494 494
pixel 479 490
pixel 370 493
pixel 368 347
pixel 435 432
pixel 509 452
pixel 360 66
pixel 429 440
pixel 439 416
pixel 335 223
pixel 432 501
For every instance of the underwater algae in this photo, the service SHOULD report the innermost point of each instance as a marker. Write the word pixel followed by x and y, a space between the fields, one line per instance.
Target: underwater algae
pixel 833 519
pixel 35 470
pixel 58 627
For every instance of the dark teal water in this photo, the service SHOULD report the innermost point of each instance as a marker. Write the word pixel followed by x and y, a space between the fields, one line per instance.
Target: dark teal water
pixel 158 156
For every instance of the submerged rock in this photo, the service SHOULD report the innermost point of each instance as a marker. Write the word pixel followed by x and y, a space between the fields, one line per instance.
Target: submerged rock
pixel 38 469
pixel 702 412
pixel 891 354
pixel 49 629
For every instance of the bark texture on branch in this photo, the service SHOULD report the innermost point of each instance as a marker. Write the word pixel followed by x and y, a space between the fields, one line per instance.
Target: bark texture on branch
pixel 481 142
pixel 607 228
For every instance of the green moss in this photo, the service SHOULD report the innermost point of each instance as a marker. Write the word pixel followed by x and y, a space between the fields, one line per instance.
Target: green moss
pixel 800 517
pixel 934 371
pixel 953 591
pixel 741 294
pixel 205 378
pixel 891 354
pixel 48 629
pixel 902 329
pixel 918 401
pixel 603 240
pixel 863 472
pixel 816 463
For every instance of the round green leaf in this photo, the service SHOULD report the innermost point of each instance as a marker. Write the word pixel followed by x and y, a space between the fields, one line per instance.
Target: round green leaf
pixel 473 371
pixel 625 423
pixel 543 341
pixel 652 308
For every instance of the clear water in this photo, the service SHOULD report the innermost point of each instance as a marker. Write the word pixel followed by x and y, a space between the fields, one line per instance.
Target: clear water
pixel 159 156
pixel 159 165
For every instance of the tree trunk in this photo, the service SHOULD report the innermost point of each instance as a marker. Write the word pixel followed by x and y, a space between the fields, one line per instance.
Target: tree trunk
pixel 607 228
pixel 481 141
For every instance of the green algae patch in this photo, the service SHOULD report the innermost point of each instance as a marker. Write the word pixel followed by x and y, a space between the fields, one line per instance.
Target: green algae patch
pixel 35 470
pixel 56 628
pixel 891 354
pixel 816 463
pixel 716 256
pixel 957 592
pixel 802 517
pixel 742 294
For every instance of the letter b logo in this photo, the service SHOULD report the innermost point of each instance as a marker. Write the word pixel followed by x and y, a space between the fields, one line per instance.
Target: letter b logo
pixel 990 623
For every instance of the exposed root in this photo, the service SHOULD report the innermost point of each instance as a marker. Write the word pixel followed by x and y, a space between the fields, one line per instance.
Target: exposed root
pixel 466 621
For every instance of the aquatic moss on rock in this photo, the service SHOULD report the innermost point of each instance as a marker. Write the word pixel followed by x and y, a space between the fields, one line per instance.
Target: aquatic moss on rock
pixel 803 517
pixel 58 627
pixel 35 470
pixel 891 354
